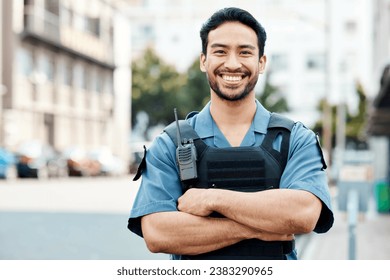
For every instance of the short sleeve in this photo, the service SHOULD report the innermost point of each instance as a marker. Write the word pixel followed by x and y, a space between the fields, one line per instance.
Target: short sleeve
pixel 305 170
pixel 160 185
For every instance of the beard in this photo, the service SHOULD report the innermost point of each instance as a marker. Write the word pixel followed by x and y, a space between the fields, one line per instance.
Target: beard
pixel 240 95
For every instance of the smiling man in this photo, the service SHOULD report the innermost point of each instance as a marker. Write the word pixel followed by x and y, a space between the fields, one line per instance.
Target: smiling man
pixel 238 65
pixel 258 179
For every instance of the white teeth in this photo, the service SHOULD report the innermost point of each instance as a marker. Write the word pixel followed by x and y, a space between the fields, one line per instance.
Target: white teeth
pixel 231 78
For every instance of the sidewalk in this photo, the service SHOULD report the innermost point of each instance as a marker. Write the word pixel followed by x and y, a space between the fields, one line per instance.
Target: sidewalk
pixel 372 237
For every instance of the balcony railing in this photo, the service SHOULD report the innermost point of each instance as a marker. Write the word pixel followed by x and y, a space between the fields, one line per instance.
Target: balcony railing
pixel 48 27
pixel 42 23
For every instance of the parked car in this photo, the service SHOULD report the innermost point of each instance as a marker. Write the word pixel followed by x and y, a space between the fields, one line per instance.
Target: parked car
pixel 7 164
pixel 78 163
pixel 38 160
pixel 110 165
pixel 136 155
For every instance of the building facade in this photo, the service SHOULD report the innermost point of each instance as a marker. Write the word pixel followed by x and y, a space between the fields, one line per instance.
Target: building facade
pixel 379 114
pixel 315 50
pixel 66 74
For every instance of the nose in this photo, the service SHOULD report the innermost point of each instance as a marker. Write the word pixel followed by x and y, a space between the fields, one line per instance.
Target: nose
pixel 232 61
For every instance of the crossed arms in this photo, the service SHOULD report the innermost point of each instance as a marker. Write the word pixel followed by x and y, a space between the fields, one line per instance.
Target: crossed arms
pixel 268 215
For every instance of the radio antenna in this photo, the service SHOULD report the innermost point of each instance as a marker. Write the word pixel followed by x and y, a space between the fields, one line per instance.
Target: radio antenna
pixel 178 134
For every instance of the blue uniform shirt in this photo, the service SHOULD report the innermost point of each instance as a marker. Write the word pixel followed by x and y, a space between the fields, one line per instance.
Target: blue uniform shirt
pixel 161 187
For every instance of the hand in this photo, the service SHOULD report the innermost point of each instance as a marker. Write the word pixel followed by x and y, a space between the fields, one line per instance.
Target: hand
pixel 196 202
pixel 199 202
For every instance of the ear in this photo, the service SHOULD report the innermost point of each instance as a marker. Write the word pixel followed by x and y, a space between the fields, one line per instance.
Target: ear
pixel 262 63
pixel 202 62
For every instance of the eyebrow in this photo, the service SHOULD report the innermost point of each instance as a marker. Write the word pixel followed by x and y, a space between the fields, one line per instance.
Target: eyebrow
pixel 246 46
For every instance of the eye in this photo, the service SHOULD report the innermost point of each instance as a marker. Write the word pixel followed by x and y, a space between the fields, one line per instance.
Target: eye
pixel 219 52
pixel 246 52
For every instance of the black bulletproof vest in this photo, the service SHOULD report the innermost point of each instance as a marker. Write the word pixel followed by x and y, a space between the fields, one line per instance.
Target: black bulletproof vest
pixel 247 169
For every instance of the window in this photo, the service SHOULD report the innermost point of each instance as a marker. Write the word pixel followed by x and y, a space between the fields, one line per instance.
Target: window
pixel 65 73
pixel 96 80
pixel 52 6
pixel 350 27
pixel 78 76
pixel 87 77
pixel 51 17
pixel 68 74
pixel 66 16
pixel 92 25
pixel 25 62
pixel 279 62
pixel 107 86
pixel 315 61
pixel 78 22
pixel 46 66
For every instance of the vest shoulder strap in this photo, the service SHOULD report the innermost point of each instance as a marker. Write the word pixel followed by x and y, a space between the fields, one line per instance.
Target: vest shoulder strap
pixel 186 132
pixel 279 121
pixel 276 123
pixel 278 126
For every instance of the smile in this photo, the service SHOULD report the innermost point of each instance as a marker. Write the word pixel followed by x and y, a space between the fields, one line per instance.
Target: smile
pixel 230 78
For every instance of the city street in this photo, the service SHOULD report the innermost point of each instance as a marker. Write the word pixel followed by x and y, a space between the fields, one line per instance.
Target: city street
pixel 72 218
pixel 86 218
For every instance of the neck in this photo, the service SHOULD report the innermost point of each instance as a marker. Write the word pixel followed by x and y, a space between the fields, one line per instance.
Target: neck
pixel 233 113
pixel 233 118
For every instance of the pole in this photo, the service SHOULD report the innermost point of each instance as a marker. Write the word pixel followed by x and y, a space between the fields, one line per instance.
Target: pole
pixel 2 87
pixel 327 113
pixel 352 210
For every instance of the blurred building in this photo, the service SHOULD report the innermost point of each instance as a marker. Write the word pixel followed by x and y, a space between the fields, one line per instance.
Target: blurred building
pixel 66 74
pixel 315 49
pixel 381 40
pixel 379 128
pixel 379 113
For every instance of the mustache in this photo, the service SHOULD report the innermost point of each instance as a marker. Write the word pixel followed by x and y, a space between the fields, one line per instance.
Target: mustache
pixel 242 71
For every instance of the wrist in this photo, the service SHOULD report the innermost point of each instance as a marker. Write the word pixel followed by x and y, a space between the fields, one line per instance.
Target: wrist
pixel 212 199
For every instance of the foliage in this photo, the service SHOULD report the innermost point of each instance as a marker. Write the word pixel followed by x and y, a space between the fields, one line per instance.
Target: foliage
pixel 156 88
pixel 196 92
pixel 271 98
pixel 318 126
pixel 355 124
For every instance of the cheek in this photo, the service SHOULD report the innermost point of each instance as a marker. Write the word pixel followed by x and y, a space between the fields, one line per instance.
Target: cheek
pixel 257 69
pixel 211 64
pixel 206 66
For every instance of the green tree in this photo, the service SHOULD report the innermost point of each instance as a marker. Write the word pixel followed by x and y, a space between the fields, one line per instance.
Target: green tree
pixel 355 124
pixel 355 128
pixel 318 126
pixel 196 92
pixel 271 98
pixel 156 87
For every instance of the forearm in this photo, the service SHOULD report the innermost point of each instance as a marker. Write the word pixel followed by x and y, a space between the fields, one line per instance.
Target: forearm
pixel 281 211
pixel 186 234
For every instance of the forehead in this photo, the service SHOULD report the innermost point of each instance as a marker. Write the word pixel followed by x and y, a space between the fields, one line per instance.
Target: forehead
pixel 233 34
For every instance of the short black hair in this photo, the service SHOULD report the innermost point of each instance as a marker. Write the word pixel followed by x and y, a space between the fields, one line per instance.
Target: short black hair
pixel 230 15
